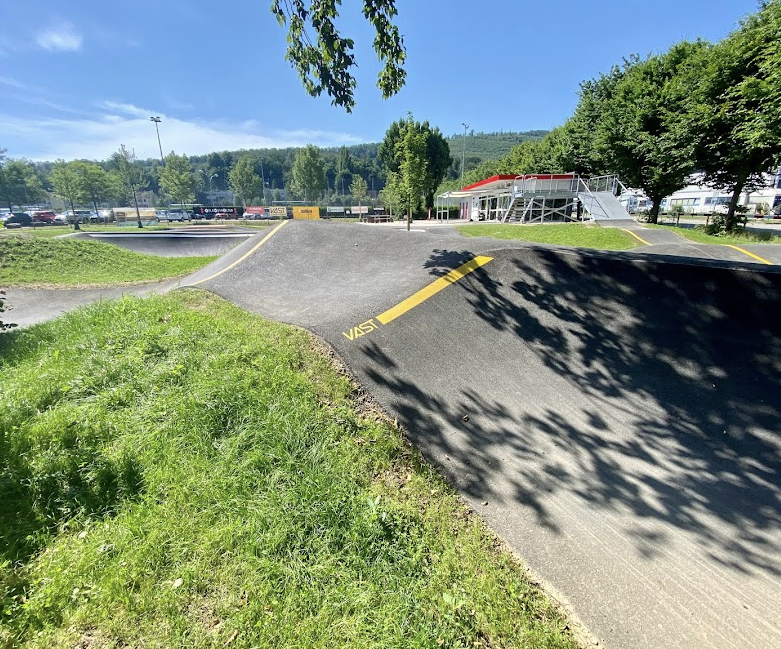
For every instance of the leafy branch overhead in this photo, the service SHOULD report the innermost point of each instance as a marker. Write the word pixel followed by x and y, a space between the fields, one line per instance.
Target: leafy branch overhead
pixel 326 62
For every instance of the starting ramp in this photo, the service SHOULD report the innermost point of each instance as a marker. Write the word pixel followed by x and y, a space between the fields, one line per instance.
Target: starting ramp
pixel 538 198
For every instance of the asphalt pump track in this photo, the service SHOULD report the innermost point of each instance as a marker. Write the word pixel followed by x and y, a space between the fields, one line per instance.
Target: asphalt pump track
pixel 614 416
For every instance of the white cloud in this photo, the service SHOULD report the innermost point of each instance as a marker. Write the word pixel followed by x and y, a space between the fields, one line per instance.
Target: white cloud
pixel 96 138
pixel 60 37
pixel 13 83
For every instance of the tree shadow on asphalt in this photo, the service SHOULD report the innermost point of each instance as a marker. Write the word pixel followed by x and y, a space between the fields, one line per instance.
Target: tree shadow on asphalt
pixel 681 366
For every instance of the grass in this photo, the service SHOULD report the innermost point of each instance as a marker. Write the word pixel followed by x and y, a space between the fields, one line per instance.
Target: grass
pixel 566 234
pixel 177 472
pixel 700 234
pixel 50 231
pixel 70 262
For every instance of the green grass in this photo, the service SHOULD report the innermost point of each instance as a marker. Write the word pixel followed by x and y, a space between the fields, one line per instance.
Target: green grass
pixel 47 232
pixel 70 262
pixel 177 472
pixel 700 234
pixel 566 234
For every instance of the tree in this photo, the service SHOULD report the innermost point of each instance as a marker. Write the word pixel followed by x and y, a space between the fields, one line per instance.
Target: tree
pixel 244 181
pixel 358 189
pixel 344 167
pixel 66 184
pixel 94 183
pixel 391 194
pixel 733 113
pixel 129 175
pixel 412 155
pixel 308 173
pixel 325 61
pixel 176 178
pixel 438 158
pixel 18 183
pixel 640 131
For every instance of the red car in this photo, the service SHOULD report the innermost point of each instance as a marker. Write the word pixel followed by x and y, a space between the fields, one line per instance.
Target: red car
pixel 43 217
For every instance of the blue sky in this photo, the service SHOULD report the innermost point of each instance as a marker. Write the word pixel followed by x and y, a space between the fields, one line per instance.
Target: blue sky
pixel 79 78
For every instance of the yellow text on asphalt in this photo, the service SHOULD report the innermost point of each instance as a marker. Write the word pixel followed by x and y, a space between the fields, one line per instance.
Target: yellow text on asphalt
pixel 414 300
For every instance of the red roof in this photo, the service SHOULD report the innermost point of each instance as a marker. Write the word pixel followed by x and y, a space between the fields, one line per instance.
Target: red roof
pixel 501 178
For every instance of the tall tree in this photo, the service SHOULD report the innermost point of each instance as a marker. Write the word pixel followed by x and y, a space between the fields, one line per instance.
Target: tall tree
pixel 412 156
pixel 65 181
pixel 308 173
pixel 344 168
pixel 438 158
pixel 640 128
pixel 129 174
pixel 733 113
pixel 176 178
pixel 244 181
pixel 95 184
pixel 324 61
pixel 391 194
pixel 18 183
pixel 358 188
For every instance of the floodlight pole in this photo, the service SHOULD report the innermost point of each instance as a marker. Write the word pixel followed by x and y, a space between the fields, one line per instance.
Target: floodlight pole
pixel 157 120
pixel 463 154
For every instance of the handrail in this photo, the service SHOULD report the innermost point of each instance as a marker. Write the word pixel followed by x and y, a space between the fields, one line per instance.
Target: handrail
pixel 590 196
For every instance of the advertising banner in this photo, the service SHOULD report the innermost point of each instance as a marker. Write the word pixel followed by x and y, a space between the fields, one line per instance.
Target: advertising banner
pixel 308 212
pixel 277 212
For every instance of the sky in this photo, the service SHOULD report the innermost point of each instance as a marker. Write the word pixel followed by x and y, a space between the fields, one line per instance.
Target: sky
pixel 79 78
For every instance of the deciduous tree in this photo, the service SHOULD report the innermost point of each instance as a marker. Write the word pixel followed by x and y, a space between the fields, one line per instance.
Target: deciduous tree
pixel 176 178
pixel 66 184
pixel 412 154
pixel 324 59
pixel 640 129
pixel 95 184
pixel 308 173
pixel 733 112
pixel 358 188
pixel 438 158
pixel 244 181
pixel 19 184
pixel 129 175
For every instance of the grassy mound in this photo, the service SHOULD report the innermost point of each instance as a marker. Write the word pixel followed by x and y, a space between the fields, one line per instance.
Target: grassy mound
pixel 177 472
pixel 69 262
pixel 566 234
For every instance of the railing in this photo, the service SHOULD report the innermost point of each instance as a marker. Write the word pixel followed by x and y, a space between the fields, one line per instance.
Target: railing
pixel 535 183
pixel 588 199
pixel 610 183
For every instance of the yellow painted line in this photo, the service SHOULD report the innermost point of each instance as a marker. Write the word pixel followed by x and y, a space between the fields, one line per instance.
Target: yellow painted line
pixel 435 287
pixel 750 254
pixel 639 238
pixel 242 258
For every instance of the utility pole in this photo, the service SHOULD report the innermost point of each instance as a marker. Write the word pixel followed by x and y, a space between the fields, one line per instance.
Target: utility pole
pixel 463 154
pixel 157 120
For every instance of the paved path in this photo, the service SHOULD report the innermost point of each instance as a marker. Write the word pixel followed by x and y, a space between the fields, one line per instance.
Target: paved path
pixel 667 242
pixel 29 306
pixel 622 416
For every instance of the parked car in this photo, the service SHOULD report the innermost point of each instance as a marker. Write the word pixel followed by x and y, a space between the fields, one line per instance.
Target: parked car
pixel 17 220
pixel 43 217
pixel 61 219
pixel 82 216
pixel 173 215
pixel 224 215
